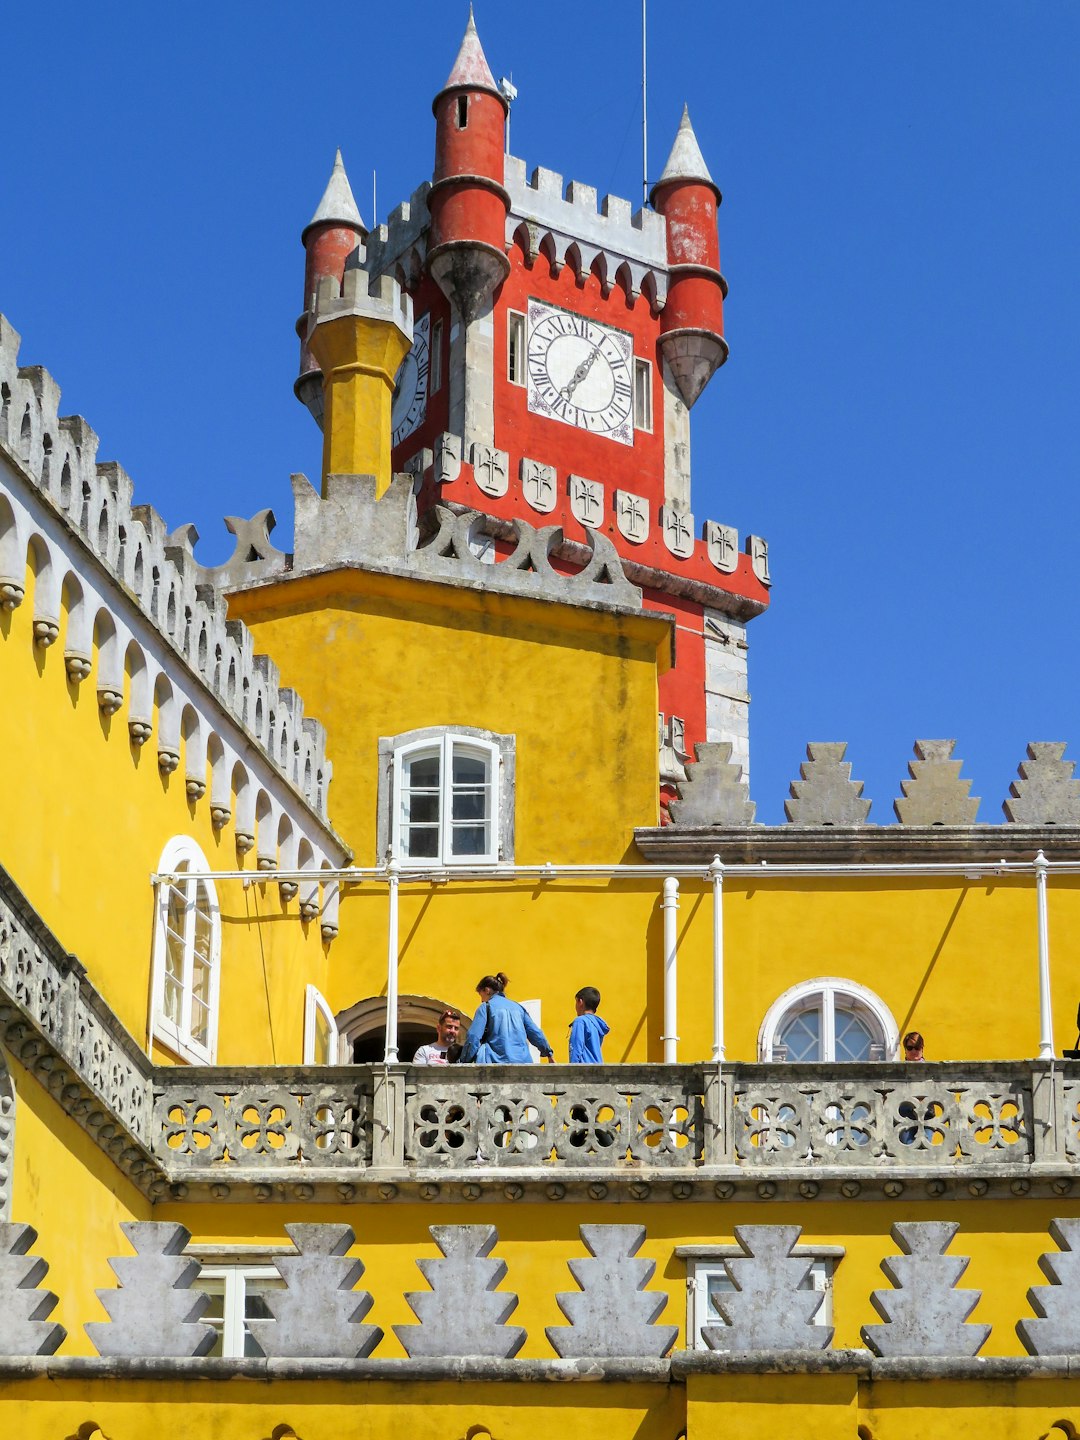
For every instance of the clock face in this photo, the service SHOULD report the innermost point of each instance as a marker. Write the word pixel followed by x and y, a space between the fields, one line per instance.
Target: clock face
pixel 411 384
pixel 581 372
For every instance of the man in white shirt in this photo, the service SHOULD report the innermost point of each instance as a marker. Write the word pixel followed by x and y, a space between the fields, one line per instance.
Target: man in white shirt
pixel 448 1032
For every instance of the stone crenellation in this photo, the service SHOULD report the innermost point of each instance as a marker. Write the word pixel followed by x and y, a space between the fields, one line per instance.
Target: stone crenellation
pixel 156 568
pixel 157 1310
pixel 934 794
pixel 402 240
pixel 566 223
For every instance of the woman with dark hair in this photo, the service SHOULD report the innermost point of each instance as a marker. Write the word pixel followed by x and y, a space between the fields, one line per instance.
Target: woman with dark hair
pixel 501 1029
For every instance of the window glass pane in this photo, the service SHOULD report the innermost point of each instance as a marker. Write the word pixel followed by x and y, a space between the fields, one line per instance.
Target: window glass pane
pixel 256 1308
pixel 214 1313
pixel 853 1036
pixel 470 804
pixel 421 809
pixel 200 982
pixel 422 843
pixel 203 930
pixel 171 999
pixel 801 1034
pixel 470 840
pixel 323 1034
pixel 422 771
pixel 469 769
pixel 200 1022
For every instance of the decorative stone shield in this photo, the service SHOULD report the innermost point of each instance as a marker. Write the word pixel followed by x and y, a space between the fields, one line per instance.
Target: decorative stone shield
pixel 632 516
pixel 758 550
pixel 586 501
pixel 538 485
pixel 678 531
pixel 491 469
pixel 722 543
pixel 447 458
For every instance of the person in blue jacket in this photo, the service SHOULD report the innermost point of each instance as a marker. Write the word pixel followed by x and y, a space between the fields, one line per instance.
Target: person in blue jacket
pixel 502 1029
pixel 588 1030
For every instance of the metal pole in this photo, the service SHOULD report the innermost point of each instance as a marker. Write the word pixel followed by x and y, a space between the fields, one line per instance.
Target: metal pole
pixel 716 871
pixel 671 947
pixel 644 116
pixel 392 873
pixel 1046 1019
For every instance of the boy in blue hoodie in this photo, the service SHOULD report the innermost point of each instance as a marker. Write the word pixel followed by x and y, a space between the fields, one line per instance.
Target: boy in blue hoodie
pixel 588 1030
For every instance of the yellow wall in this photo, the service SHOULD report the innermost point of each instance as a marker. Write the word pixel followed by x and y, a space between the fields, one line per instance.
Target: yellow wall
pixel 76 1199
pixel 86 818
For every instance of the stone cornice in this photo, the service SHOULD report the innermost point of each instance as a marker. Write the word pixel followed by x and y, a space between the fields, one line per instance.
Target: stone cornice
pixel 856 844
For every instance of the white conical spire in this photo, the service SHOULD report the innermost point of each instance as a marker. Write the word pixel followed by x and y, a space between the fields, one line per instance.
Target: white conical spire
pixel 686 161
pixel 471 68
pixel 338 204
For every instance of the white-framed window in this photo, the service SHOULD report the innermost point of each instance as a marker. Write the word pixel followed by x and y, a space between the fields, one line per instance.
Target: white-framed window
pixel 237 1295
pixel 515 347
pixel 446 797
pixel 708 1280
pixel 187 954
pixel 643 372
pixel 435 359
pixel 320 1030
pixel 828 1019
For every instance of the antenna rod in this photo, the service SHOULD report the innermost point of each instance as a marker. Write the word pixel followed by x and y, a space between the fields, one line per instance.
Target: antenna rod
pixel 644 116
pixel 374 205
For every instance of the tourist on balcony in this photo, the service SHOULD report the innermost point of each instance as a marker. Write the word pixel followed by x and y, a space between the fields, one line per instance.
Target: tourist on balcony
pixel 588 1030
pixel 502 1029
pixel 913 1046
pixel 447 1030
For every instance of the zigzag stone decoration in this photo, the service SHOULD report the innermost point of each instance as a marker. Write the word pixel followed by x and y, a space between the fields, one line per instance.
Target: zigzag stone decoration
pixel 935 794
pixel 925 1314
pixel 1046 793
pixel 1057 1330
pixel 24 1329
pixel 767 1310
pixel 714 792
pixel 826 793
pixel 316 1317
pixel 155 1312
pixel 461 1314
pixel 612 1314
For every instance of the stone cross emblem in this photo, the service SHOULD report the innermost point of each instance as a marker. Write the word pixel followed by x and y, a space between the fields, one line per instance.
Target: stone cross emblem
pixel 586 501
pixel 632 515
pixel 491 469
pixel 678 531
pixel 722 543
pixel 758 550
pixel 538 485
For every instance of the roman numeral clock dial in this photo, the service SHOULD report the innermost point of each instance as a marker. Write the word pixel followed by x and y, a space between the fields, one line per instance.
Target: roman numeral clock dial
pixel 580 372
pixel 411 385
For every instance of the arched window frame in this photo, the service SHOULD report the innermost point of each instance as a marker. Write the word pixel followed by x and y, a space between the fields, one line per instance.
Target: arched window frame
pixel 316 1008
pixel 177 1034
pixel 396 751
pixel 826 990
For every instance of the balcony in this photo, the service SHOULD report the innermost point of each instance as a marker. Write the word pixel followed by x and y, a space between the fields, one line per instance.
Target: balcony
pixel 634 1131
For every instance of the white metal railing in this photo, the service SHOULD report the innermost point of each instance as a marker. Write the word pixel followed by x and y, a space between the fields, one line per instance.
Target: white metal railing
pixel 395 873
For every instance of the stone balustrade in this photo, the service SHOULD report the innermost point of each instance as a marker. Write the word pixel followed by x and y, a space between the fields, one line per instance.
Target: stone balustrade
pixel 656 1131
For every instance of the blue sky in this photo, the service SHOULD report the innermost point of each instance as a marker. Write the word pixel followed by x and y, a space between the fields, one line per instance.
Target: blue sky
pixel 900 230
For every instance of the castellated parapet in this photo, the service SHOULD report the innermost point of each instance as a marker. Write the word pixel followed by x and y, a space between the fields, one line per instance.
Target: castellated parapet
pixel 157 570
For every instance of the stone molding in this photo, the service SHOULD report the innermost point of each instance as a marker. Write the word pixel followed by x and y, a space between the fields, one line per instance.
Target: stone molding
pixel 137 588
pixel 776 845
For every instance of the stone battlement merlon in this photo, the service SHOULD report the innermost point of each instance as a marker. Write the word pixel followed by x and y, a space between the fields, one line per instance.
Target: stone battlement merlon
pixel 58 456
pixel 403 238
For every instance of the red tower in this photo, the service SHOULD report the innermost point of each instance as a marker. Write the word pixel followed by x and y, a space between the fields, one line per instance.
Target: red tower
pixel 692 323
pixel 467 201
pixel 329 238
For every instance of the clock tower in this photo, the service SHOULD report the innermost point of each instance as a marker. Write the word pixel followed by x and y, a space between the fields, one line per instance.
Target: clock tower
pixel 559 343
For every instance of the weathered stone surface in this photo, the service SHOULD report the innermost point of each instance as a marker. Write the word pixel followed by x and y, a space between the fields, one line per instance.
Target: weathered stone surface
pixel 155 1311
pixel 1046 793
pixel 613 1314
pixel 826 793
pixel 935 794
pixel 317 1315
pixel 767 1310
pixel 1057 1330
pixel 925 1314
pixel 24 1329
pixel 714 792
pixel 462 1314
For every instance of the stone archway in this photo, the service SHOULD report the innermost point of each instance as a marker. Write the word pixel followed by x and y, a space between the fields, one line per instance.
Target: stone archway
pixel 362 1027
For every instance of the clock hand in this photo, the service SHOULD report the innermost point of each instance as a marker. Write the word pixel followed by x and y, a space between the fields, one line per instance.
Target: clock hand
pixel 579 374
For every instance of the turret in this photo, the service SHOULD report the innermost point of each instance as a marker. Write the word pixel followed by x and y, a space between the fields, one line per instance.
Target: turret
pixel 692 321
pixel 467 201
pixel 359 337
pixel 329 238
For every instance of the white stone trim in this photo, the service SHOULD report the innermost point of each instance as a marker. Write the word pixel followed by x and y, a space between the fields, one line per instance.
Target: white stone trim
pixel 828 988
pixel 181 849
pixel 316 1005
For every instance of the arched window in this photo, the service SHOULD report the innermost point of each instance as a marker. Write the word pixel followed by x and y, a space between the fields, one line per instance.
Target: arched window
pixel 828 1019
pixel 446 797
pixel 187 954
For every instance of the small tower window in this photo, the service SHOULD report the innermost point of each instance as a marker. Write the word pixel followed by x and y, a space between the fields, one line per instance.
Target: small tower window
pixel 515 348
pixel 435 361
pixel 642 395
pixel 462 111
